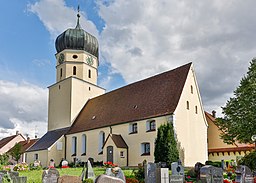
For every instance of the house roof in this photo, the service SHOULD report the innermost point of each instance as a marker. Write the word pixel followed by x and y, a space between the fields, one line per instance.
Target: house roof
pixel 118 140
pixel 6 140
pixel 26 144
pixel 238 146
pixel 48 139
pixel 156 96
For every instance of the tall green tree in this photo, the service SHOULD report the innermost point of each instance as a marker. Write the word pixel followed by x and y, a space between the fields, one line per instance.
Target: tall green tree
pixel 239 121
pixel 166 145
pixel 16 152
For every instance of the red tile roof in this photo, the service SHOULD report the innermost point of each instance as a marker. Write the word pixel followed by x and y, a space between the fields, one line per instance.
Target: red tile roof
pixel 152 97
pixel 26 144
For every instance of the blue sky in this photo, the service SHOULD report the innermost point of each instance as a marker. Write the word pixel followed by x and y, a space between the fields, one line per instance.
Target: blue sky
pixel 137 39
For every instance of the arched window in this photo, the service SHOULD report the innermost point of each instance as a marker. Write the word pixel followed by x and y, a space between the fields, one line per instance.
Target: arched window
pixel 74 70
pixel 101 141
pixel 188 105
pixel 84 144
pixel 60 72
pixel 74 146
pixel 145 149
pixel 191 89
pixel 89 73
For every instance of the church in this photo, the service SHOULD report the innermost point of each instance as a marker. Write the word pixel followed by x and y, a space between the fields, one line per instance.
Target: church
pixel 118 126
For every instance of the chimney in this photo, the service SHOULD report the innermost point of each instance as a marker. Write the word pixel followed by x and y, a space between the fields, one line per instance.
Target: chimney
pixel 28 140
pixel 214 113
pixel 17 132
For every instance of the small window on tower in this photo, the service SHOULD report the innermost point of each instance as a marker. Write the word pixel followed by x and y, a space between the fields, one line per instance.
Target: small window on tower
pixel 89 73
pixel 74 70
pixel 60 72
pixel 188 105
pixel 75 56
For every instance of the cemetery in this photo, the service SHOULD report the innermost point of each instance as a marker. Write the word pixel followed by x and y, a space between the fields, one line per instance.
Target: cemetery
pixel 147 172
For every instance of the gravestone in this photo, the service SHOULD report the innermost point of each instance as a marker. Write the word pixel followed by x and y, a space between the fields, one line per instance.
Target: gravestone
pixel 211 174
pixel 64 164
pixel 162 175
pixel 150 172
pixel 244 174
pixel 69 179
pixel 1 176
pixel 118 173
pixel 108 179
pixel 50 176
pixel 19 180
pixel 177 169
pixel 89 171
pixel 176 179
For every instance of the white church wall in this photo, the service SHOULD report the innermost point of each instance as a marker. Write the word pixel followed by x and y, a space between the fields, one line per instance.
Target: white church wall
pixel 190 123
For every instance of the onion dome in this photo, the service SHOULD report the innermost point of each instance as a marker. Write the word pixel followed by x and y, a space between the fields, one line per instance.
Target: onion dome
pixel 77 39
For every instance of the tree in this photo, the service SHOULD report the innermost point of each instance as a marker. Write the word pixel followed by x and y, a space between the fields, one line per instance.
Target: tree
pixel 239 121
pixel 166 145
pixel 16 152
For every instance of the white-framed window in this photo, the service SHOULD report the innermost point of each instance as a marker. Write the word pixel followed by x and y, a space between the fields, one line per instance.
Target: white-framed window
pixel 151 125
pixel 59 146
pixel 133 128
pixel 74 146
pixel 101 141
pixel 84 143
pixel 145 148
pixel 122 154
pixel 36 156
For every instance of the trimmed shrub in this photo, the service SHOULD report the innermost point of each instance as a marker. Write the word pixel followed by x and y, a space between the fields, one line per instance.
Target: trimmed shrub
pixel 249 160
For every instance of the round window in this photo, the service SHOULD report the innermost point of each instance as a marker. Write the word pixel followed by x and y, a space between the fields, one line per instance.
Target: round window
pixel 75 56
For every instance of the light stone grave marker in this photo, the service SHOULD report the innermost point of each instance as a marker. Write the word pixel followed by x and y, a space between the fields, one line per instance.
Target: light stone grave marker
pixel 50 176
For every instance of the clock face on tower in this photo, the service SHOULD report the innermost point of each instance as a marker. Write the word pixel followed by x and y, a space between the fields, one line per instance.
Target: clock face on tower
pixel 61 58
pixel 89 60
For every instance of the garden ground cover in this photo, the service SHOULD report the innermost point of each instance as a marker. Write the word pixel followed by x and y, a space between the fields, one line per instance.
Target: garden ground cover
pixel 35 176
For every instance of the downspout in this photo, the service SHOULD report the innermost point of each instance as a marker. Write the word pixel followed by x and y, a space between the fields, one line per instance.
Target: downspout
pixel 127 163
pixel 65 150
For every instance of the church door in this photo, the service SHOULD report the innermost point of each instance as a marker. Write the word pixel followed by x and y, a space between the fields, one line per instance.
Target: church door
pixel 110 153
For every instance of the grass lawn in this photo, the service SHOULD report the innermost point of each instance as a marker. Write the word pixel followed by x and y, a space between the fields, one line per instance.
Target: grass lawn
pixel 35 176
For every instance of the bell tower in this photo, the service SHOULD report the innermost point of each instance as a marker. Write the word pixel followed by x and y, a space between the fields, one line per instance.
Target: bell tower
pixel 76 76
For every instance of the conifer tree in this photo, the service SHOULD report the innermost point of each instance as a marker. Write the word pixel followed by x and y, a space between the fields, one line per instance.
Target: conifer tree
pixel 239 121
pixel 166 145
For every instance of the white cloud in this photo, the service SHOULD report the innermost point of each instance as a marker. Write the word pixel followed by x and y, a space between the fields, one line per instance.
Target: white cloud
pixel 23 107
pixel 57 17
pixel 142 38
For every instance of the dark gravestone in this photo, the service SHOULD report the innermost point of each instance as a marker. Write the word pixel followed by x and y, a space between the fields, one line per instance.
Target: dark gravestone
pixel 176 179
pixel 150 172
pixel 108 179
pixel 244 175
pixel 211 174
pixel 50 176
pixel 198 166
